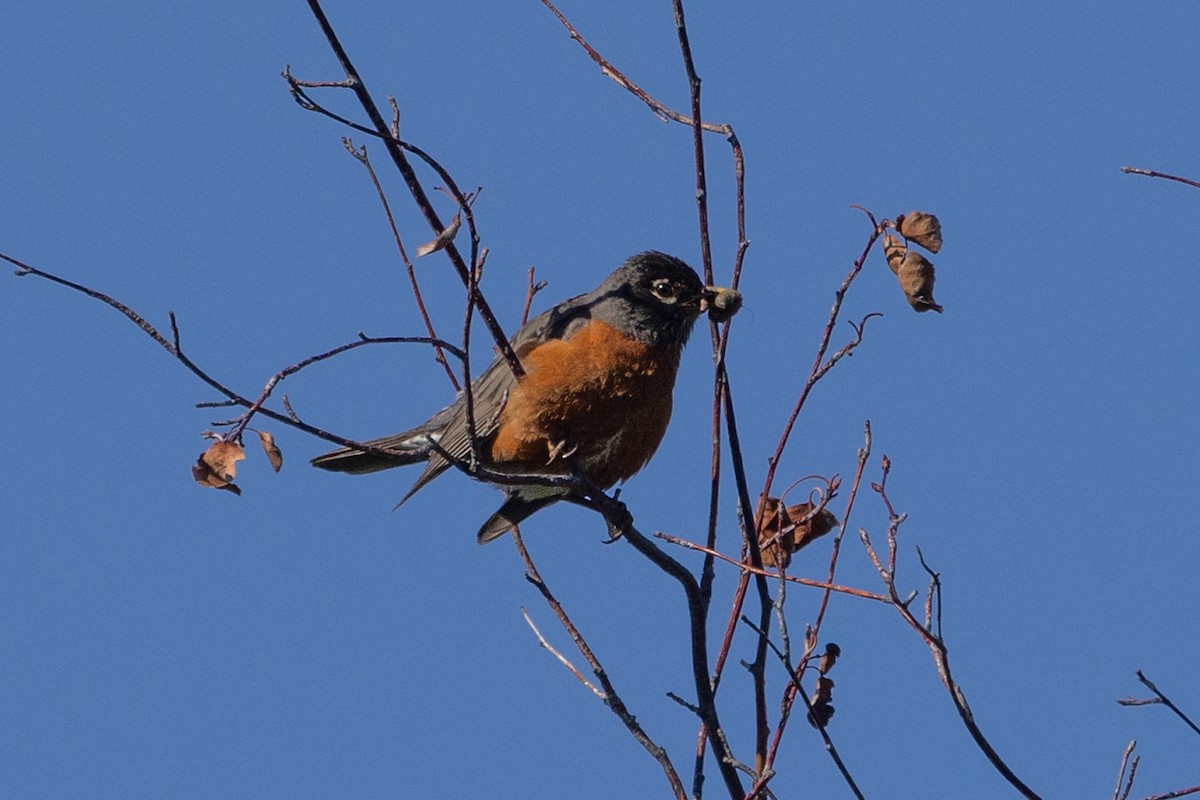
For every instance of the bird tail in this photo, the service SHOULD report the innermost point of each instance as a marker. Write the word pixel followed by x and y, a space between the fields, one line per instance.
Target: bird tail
pixel 522 503
pixel 410 447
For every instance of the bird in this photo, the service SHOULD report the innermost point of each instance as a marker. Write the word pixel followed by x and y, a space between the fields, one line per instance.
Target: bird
pixel 596 395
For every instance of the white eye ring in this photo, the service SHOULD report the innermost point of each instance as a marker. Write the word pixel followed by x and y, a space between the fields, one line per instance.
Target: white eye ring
pixel 664 290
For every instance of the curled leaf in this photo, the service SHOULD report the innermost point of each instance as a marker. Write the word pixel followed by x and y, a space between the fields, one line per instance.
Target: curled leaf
pixel 782 533
pixel 915 273
pixel 444 238
pixel 723 303
pixel 222 458
pixel 274 454
pixel 819 710
pixel 824 691
pixel 216 466
pixel 916 279
pixel 894 251
pixel 921 228
pixel 828 658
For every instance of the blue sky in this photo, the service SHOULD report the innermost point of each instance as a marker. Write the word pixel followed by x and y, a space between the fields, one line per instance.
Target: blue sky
pixel 157 639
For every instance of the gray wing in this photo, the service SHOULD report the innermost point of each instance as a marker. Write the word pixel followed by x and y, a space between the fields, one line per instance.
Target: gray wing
pixel 491 388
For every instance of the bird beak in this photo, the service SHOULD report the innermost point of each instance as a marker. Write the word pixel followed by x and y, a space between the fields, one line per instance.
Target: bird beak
pixel 720 303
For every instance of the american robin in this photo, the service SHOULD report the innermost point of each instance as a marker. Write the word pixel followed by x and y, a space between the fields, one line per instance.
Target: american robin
pixel 596 395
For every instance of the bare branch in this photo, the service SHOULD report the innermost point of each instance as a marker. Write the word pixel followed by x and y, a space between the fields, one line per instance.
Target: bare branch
pixel 1118 794
pixel 561 658
pixel 1159 697
pixel 1174 794
pixel 380 128
pixel 850 590
pixel 530 290
pixel 609 694
pixel 360 154
pixel 1154 174
pixel 937 647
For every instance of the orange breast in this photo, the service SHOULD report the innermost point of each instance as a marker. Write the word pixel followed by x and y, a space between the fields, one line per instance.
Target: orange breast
pixel 597 392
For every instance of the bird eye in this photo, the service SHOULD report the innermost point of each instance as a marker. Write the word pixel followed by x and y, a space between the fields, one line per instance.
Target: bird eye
pixel 664 290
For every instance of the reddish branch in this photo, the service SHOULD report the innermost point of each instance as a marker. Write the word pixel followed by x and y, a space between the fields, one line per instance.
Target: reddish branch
pixel 721 400
pixel 769 573
pixel 820 368
pixel 794 688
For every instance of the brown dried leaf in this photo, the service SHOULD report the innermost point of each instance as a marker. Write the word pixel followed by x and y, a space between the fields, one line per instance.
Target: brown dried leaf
pixel 916 279
pixel 828 658
pixel 894 250
pixel 444 238
pixel 819 710
pixel 780 535
pixel 824 691
pixel 922 228
pixel 221 458
pixel 204 475
pixel 723 303
pixel 820 715
pixel 274 454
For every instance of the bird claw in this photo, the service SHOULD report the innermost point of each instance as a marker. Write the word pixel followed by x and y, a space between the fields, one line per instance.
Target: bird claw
pixel 559 450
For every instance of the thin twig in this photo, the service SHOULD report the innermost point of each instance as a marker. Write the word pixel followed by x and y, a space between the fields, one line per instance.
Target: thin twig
pixel 850 590
pixel 619 519
pixel 1176 793
pixel 609 694
pixel 1154 174
pixel 561 658
pixel 362 341
pixel 175 348
pixel 791 691
pixel 760 786
pixel 381 129
pixel 1159 697
pixel 939 651
pixel 660 109
pixel 360 154
pixel 820 366
pixel 531 289
pixel 1117 793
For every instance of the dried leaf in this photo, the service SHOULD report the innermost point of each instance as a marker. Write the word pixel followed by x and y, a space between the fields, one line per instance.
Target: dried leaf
pixel 820 714
pixel 204 475
pixel 723 303
pixel 444 238
pixel 274 455
pixel 820 711
pixel 915 273
pixel 894 250
pixel 782 534
pixel 921 228
pixel 222 458
pixel 824 691
pixel 828 658
pixel 916 279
